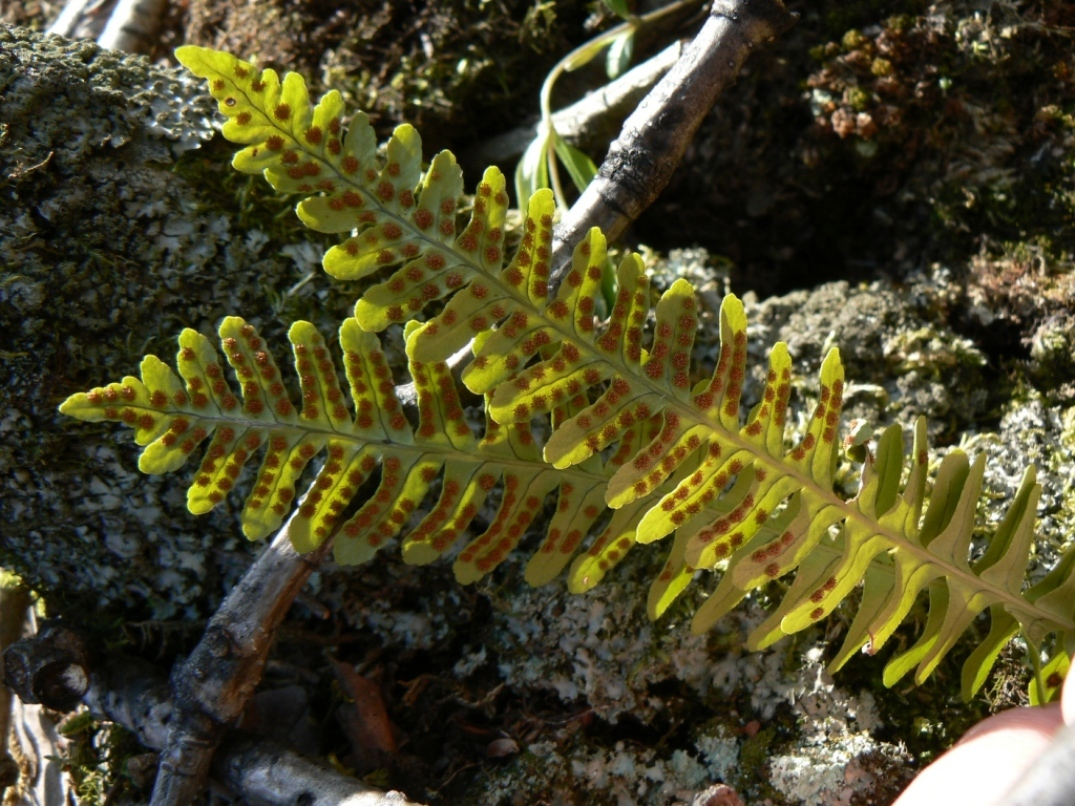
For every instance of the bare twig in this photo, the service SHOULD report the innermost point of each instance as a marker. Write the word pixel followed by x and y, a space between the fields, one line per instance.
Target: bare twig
pixel 14 602
pixel 617 99
pixel 640 162
pixel 80 19
pixel 268 775
pixel 580 121
pixel 133 25
pixel 213 686
pixel 136 695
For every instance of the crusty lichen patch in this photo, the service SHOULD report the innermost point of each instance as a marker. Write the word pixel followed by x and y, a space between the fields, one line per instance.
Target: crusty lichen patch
pixel 108 253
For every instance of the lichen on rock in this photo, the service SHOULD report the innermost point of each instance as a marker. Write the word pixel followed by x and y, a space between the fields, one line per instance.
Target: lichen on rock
pixel 108 251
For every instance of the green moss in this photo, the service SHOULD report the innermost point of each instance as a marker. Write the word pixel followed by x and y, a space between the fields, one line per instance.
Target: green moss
pixel 756 752
pixel 96 760
pixel 457 70
pixel 852 39
pixel 881 67
pixel 887 138
pixel 840 17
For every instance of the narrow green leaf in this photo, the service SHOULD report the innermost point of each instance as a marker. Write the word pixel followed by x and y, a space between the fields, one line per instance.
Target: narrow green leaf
pixel 620 53
pixel 532 170
pixel 580 167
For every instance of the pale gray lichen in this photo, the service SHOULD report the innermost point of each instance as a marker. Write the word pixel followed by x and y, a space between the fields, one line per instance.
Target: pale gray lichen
pixel 624 774
pixel 108 253
pixel 599 651
pixel 1033 432
pixel 901 357
pixel 835 747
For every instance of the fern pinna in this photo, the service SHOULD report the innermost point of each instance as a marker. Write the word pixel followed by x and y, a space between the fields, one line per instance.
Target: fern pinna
pixel 627 428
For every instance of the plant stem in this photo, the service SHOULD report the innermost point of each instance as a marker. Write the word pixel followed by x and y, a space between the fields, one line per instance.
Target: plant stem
pixel 576 58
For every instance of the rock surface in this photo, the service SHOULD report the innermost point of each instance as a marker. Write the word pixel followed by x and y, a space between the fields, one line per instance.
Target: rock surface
pixel 108 252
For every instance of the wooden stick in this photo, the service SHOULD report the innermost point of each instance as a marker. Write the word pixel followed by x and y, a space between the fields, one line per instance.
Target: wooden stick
pixel 213 686
pixel 14 602
pixel 654 138
pixel 137 695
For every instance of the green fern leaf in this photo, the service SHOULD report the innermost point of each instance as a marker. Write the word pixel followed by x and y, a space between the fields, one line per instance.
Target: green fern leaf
pixel 737 497
pixel 356 434
pixel 778 508
pixel 399 216
pixel 683 460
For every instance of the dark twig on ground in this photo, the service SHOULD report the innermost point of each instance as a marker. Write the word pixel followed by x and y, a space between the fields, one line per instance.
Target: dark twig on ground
pixel 640 162
pixel 213 686
pixel 14 602
pixel 136 694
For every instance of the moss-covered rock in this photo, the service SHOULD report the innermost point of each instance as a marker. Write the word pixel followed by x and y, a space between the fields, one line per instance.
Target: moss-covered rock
pixel 879 138
pixel 115 236
pixel 457 70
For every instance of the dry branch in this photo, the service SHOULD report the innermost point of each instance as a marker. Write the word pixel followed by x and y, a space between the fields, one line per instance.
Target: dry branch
pixel 587 118
pixel 654 138
pixel 136 695
pixel 213 686
pixel 14 602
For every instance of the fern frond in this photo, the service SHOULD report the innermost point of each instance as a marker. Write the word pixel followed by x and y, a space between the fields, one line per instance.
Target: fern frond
pixel 777 511
pixel 683 459
pixel 780 513
pixel 356 434
pixel 397 216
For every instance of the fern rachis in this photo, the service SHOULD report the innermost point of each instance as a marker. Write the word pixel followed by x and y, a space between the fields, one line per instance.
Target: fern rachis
pixel 680 459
